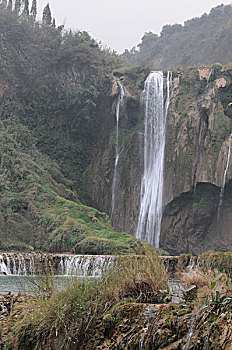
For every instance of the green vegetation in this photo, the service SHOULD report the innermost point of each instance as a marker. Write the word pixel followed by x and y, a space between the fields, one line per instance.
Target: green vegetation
pixel 38 211
pixel 204 40
pixel 217 260
pixel 52 81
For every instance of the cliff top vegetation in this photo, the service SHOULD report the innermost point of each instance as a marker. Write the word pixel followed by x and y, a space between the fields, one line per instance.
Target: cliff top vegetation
pixel 204 40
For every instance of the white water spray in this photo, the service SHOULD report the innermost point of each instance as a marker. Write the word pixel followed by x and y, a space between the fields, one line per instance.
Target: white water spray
pixel 150 215
pixel 224 179
pixel 17 264
pixel 119 103
pixel 208 77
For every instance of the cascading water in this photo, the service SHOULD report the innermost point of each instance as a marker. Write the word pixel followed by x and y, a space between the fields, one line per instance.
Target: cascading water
pixel 150 215
pixel 190 332
pixel 224 179
pixel 8 264
pixel 3 267
pixel 119 103
pixel 17 264
pixel 84 266
pixel 208 78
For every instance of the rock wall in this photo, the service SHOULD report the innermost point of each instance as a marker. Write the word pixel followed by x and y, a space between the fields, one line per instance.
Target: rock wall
pixel 196 154
pixel 130 165
pixel 197 148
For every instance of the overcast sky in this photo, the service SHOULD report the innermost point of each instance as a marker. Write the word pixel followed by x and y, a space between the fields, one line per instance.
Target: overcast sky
pixel 120 24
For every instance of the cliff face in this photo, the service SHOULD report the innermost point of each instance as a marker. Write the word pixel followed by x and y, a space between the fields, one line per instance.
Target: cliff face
pixel 130 165
pixel 196 155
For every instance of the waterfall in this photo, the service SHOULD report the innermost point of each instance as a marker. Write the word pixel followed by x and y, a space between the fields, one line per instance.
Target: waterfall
pixel 192 263
pixel 18 264
pixel 208 77
pixel 84 266
pixel 224 179
pixel 150 215
pixel 22 265
pixel 119 103
pixel 3 267
pixel 190 332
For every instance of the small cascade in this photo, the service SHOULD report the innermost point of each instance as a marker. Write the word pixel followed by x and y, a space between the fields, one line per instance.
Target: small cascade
pixel 149 315
pixel 22 265
pixel 8 264
pixel 224 180
pixel 61 269
pixel 14 266
pixel 150 215
pixel 119 103
pixel 192 263
pixel 3 267
pixel 84 266
pixel 27 264
pixel 32 269
pixel 191 330
pixel 17 264
pixel 141 342
pixel 208 78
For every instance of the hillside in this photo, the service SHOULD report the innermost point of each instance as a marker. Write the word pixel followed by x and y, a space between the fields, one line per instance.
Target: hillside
pixel 38 211
pixel 50 84
pixel 58 108
pixel 205 40
pixel 52 80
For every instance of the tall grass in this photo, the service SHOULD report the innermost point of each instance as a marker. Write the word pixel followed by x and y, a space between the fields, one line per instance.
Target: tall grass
pixel 66 319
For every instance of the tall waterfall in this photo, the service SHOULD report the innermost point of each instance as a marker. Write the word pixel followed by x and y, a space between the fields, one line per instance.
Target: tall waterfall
pixel 119 103
pixel 224 179
pixel 150 215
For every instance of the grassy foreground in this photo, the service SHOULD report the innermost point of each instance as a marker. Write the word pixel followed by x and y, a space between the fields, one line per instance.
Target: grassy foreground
pixel 129 308
pixel 68 319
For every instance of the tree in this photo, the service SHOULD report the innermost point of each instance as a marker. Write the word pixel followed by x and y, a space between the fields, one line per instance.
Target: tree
pixel 26 7
pixel 9 7
pixel 34 9
pixel 4 3
pixel 54 23
pixel 17 6
pixel 47 16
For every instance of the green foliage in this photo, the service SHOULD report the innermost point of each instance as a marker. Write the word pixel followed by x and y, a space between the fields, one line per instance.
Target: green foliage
pixel 39 211
pixel 34 9
pixel 219 300
pixel 203 40
pixel 52 80
pixel 84 230
pixel 47 17
pixel 217 260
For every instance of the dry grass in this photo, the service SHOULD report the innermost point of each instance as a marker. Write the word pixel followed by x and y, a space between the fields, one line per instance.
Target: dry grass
pixel 141 278
pixel 196 277
pixel 207 284
pixel 67 318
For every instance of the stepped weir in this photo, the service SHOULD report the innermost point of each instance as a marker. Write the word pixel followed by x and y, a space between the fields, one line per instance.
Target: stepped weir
pixel 29 264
